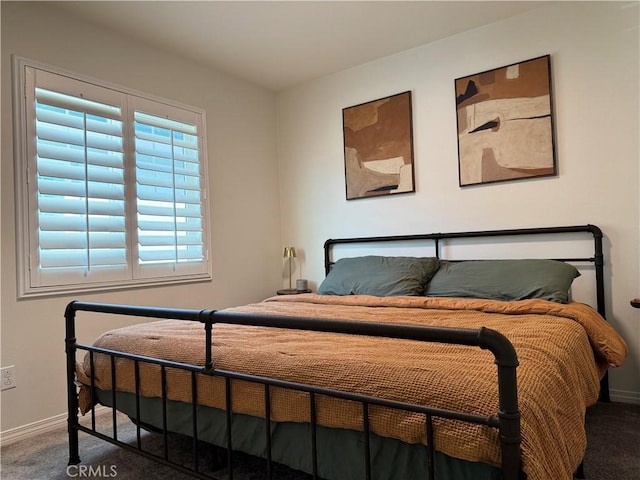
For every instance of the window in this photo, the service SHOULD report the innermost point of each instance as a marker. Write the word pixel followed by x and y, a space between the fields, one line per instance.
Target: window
pixel 111 186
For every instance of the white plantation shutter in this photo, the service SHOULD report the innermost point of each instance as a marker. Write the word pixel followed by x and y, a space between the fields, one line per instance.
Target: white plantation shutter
pixel 115 189
pixel 79 185
pixel 169 192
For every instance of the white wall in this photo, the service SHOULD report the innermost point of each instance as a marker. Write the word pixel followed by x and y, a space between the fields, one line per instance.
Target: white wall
pixel 241 136
pixel 594 54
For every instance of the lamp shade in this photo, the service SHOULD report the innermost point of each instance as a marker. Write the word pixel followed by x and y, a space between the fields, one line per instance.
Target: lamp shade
pixel 289 252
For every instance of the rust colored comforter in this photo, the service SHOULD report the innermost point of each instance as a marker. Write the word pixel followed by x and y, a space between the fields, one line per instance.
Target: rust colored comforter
pixel 562 350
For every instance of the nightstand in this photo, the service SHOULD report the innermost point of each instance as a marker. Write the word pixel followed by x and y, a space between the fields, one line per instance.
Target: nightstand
pixel 292 291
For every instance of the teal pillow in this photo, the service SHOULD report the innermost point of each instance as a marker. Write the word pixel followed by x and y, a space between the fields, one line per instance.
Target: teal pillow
pixel 380 276
pixel 504 279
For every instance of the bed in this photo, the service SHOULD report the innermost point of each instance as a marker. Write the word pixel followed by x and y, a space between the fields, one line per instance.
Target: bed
pixel 399 367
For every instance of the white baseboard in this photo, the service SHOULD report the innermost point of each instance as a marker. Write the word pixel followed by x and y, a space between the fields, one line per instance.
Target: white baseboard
pixel 41 426
pixel 624 396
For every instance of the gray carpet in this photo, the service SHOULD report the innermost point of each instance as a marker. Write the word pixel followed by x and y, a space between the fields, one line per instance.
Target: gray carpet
pixel 613 448
pixel 613 453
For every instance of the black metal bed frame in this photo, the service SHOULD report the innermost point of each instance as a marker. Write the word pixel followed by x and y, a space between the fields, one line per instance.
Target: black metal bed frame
pixel 506 420
pixel 597 259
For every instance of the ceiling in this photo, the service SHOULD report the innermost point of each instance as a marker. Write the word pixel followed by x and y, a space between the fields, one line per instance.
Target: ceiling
pixel 279 44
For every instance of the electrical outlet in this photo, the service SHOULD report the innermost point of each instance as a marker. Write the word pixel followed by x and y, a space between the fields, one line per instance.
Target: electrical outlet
pixel 8 377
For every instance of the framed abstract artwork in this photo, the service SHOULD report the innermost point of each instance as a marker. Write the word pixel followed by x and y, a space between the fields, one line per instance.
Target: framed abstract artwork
pixel 378 147
pixel 505 123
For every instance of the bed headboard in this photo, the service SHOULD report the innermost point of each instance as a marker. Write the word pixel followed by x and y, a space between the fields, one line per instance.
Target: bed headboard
pixel 440 240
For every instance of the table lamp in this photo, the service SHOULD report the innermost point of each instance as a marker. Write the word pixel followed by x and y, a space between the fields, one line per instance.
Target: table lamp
pixel 290 253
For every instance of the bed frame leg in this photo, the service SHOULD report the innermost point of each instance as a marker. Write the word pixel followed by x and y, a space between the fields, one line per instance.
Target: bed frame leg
pixel 72 394
pixel 604 389
pixel 74 454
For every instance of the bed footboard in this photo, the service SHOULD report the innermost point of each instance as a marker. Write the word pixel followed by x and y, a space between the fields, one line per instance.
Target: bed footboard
pixel 506 420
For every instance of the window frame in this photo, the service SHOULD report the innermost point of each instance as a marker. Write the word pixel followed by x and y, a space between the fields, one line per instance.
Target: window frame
pixel 26 226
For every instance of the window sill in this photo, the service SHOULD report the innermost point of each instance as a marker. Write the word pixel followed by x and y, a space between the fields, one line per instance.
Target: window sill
pixel 40 292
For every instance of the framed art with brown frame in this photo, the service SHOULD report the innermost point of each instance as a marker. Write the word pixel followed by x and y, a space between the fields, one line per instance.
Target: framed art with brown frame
pixel 378 147
pixel 505 123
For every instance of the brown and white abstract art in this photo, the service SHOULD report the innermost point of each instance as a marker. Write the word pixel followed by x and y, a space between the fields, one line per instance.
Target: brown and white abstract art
pixel 505 123
pixel 378 147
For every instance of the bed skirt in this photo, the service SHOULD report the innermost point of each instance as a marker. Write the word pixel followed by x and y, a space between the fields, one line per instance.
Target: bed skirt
pixel 291 442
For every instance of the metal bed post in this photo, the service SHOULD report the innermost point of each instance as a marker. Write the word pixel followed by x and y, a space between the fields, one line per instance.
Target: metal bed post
pixel 508 412
pixel 72 398
pixel 599 266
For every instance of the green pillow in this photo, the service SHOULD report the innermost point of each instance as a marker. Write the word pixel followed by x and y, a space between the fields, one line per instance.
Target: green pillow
pixel 504 279
pixel 380 276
